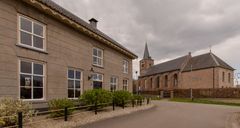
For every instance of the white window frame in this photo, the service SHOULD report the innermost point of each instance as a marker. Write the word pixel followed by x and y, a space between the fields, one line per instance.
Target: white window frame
pixel 125 86
pixel 125 66
pixel 99 80
pixel 99 58
pixel 31 33
pixel 113 83
pixel 32 74
pixel 97 74
pixel 74 79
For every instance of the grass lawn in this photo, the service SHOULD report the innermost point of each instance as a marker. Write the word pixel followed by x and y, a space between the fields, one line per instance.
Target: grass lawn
pixel 216 101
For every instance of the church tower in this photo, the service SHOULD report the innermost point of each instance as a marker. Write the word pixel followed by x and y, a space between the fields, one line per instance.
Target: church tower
pixel 147 61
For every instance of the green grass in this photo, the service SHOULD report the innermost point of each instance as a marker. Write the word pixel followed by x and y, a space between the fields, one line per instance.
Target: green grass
pixel 204 101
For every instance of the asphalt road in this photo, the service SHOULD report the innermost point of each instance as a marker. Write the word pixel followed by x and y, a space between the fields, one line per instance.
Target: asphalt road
pixel 172 115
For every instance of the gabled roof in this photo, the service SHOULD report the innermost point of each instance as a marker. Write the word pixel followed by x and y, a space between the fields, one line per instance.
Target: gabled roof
pixel 146 53
pixel 204 61
pixel 171 65
pixel 81 22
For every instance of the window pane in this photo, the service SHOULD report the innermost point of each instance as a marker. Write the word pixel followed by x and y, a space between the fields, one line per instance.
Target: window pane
pixel 38 42
pixel 99 61
pixel 25 93
pixel 26 38
pixel 37 93
pixel 70 84
pixel 26 67
pixel 26 25
pixel 77 93
pixel 71 74
pixel 25 80
pixel 99 53
pixel 77 84
pixel 100 77
pixel 70 93
pixel 78 75
pixel 95 61
pixel 38 29
pixel 95 52
pixel 37 81
pixel 38 69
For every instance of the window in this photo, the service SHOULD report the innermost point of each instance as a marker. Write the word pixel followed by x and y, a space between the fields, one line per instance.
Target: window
pixel 74 83
pixel 97 80
pixel 166 81
pixel 158 82
pixel 223 76
pixel 31 80
pixel 113 83
pixel 145 84
pixel 229 77
pixel 175 80
pixel 125 85
pixel 31 33
pixel 125 66
pixel 98 57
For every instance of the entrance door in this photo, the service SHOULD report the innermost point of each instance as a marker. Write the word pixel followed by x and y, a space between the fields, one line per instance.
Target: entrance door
pixel 97 84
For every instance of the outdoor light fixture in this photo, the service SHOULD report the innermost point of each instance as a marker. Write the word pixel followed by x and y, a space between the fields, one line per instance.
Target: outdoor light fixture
pixel 90 76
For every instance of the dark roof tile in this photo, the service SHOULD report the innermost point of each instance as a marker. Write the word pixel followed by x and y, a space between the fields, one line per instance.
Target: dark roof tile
pixel 75 18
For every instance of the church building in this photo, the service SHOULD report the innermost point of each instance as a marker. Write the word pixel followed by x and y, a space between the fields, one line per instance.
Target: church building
pixel 202 71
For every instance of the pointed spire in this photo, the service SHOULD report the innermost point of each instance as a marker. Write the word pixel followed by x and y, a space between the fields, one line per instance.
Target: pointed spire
pixel 146 52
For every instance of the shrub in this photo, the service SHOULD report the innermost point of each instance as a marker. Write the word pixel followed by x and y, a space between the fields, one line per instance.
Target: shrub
pixel 10 107
pixel 57 104
pixel 98 96
pixel 138 97
pixel 120 96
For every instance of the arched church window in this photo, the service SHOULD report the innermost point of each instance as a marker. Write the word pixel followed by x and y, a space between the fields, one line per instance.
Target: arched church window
pixel 175 80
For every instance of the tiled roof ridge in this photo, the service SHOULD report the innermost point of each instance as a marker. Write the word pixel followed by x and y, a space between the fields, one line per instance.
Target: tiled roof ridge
pixel 215 60
pixel 59 9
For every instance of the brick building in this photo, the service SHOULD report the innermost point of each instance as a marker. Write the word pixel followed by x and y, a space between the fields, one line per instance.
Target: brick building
pixel 202 71
pixel 47 52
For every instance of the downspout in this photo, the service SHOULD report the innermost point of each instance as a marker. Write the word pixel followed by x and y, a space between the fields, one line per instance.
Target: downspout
pixel 213 77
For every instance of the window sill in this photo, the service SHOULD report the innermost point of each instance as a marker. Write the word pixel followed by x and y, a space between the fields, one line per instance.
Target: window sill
pixel 97 66
pixel 34 100
pixel 28 48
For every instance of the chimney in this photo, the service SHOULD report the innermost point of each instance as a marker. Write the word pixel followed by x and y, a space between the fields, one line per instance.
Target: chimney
pixel 189 53
pixel 93 22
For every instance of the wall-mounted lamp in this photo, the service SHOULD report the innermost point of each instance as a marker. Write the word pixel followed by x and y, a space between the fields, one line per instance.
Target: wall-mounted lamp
pixel 90 76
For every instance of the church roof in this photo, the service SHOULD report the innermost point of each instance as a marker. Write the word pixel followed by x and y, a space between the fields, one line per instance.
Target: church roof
pixel 203 61
pixel 171 65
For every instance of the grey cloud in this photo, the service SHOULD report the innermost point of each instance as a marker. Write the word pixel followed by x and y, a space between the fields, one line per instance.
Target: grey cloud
pixel 171 27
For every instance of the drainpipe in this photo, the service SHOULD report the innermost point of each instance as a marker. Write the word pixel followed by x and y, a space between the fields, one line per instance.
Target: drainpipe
pixel 213 77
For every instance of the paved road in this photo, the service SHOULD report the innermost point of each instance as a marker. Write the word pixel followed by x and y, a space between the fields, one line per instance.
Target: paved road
pixel 172 115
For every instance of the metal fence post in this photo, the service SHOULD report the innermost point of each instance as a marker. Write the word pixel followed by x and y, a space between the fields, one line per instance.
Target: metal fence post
pixel 123 104
pixel 20 120
pixel 191 93
pixel 148 100
pixel 133 103
pixel 95 108
pixel 113 104
pixel 141 102
pixel 65 114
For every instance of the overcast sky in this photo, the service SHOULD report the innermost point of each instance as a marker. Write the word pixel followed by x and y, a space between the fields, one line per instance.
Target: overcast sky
pixel 172 28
